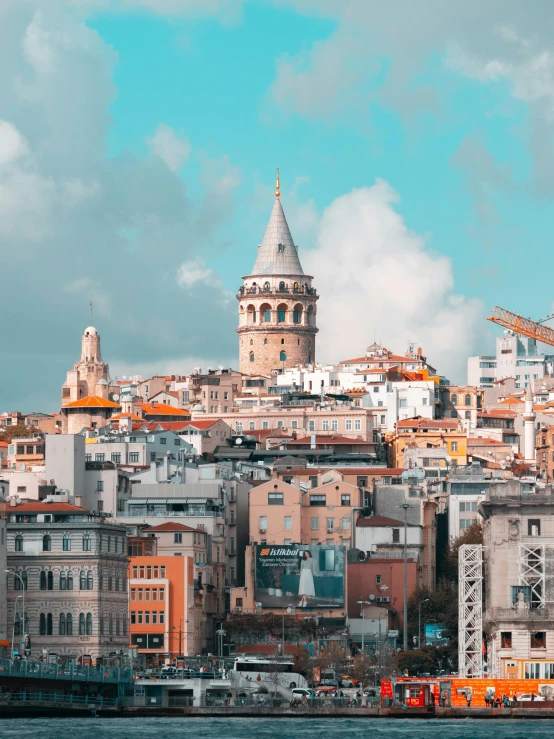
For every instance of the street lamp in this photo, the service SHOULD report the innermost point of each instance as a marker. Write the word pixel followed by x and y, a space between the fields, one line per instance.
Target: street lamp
pixel 419 622
pixel 16 574
pixel 290 610
pixel 362 604
pixel 405 507
pixel 220 633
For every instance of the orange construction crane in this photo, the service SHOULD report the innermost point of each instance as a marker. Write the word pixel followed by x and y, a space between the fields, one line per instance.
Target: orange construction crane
pixel 524 326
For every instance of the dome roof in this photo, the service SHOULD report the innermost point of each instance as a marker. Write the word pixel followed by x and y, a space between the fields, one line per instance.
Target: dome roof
pixel 198 407
pixel 102 382
pixel 91 331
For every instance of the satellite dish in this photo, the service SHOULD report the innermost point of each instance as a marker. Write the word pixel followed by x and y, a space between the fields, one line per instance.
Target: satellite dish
pixel 115 397
pixel 124 377
pixel 238 441
pixel 21 466
pixel 371 597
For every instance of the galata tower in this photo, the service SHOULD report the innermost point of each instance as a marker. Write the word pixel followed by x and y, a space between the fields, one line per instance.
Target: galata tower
pixel 277 303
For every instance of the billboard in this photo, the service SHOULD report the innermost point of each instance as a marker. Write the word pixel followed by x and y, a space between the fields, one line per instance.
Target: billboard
pixel 435 635
pixel 300 575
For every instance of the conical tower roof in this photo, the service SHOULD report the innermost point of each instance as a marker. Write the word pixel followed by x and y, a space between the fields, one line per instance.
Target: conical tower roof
pixel 277 254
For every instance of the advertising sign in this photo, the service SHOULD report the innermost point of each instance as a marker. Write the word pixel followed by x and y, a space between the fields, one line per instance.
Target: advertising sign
pixel 300 575
pixel 435 635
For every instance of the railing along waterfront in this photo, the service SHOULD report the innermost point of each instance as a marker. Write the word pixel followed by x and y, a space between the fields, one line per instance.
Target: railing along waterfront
pixel 58 698
pixel 71 672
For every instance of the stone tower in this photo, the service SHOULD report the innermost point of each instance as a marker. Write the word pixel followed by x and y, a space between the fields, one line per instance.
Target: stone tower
pixel 277 303
pixel 529 416
pixel 90 374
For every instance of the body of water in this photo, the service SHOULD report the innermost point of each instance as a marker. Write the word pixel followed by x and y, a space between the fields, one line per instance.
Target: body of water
pixel 268 728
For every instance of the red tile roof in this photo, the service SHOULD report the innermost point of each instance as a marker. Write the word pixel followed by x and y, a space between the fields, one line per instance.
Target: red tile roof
pixel 172 526
pixel 3 443
pixel 92 401
pixel 161 409
pixel 358 471
pixel 40 507
pixel 426 423
pixel 119 416
pixel 328 440
pixel 479 441
pixel 497 413
pixel 174 425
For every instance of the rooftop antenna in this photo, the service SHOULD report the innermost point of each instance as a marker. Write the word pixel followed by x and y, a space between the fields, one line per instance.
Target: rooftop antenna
pixel 277 185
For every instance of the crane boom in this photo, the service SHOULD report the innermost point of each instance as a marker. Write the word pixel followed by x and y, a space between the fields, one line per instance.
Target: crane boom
pixel 520 325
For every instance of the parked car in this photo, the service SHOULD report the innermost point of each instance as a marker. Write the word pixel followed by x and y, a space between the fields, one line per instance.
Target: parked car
pixel 527 697
pixel 301 692
pixel 168 673
pixel 348 682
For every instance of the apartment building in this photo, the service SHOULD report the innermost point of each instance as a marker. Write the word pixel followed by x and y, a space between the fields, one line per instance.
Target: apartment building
pixel 425 434
pixel 70 568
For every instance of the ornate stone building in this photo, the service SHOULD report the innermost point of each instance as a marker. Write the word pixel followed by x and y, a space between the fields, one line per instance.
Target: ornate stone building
pixel 90 375
pixel 72 566
pixel 277 304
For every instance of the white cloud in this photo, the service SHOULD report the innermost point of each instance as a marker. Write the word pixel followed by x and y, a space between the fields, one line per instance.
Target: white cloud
pixel 376 277
pixel 12 143
pixel 194 272
pixel 172 149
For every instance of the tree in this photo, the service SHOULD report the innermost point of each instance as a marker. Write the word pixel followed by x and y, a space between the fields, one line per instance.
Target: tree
pixel 418 661
pixel 20 431
pixel 472 535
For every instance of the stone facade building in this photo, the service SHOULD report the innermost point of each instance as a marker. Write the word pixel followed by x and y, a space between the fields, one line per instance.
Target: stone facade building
pixel 72 565
pixel 518 538
pixel 277 304
pixel 90 375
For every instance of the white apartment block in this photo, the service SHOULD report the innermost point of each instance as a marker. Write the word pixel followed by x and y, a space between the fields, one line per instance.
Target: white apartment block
pixel 516 356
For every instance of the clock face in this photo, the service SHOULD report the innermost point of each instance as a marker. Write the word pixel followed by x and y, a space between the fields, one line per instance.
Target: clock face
pixel 238 441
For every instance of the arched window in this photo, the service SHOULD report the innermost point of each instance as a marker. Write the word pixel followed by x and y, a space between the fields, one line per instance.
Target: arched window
pixel 81 624
pixel 283 357
pixel 82 580
pixel 63 580
pixel 70 580
pixel 124 625
pixel 251 342
pixel 251 356
pixel 62 624
pixel 42 624
pixel 69 624
pixel 89 624
pixel 49 624
pixel 266 341
pixel 282 286
pixel 43 580
pixel 16 581
pixel 110 625
pixel 101 625
pixel 18 543
pixel 282 341
pixel 295 316
pixel 50 578
pixel 24 578
pixel 117 625
pixel 89 580
pixel 468 399
pixel 296 287
pixel 66 543
pixel 17 625
pixel 46 543
pixel 86 543
pixel 454 399
pixel 281 313
pixel 267 286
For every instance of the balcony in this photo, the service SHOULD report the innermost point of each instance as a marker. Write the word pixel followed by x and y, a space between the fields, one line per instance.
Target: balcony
pixel 532 616
pixel 257 290
pixel 136 512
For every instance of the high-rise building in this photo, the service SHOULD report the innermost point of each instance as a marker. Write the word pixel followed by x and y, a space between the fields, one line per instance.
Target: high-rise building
pixel 277 303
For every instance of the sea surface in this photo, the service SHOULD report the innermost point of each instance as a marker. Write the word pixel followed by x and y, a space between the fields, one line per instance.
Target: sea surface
pixel 265 728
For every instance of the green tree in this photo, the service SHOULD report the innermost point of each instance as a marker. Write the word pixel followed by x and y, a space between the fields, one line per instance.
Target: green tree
pixel 20 431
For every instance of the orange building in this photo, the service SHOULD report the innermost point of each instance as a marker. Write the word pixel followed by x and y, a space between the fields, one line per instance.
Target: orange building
pixel 164 617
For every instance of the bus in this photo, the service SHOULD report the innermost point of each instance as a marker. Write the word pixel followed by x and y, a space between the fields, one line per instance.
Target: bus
pixel 269 670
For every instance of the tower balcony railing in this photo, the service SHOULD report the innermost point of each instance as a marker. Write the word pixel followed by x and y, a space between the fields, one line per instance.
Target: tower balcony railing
pixel 261 290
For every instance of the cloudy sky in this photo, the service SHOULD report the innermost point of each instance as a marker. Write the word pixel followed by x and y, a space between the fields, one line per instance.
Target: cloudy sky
pixel 139 140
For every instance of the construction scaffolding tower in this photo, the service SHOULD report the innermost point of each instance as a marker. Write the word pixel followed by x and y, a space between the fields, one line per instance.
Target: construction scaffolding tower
pixel 470 610
pixel 532 568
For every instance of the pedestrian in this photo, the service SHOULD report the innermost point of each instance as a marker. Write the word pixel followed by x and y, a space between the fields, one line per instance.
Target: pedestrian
pixel 514 699
pixel 259 677
pixel 468 698
pixel 533 696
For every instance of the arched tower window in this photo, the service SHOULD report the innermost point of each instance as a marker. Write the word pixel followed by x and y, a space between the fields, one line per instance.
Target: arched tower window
pixel 251 356
pixel 267 286
pixel 283 356
pixel 454 399
pixel 265 313
pixel 468 399
pixel 266 341
pixel 281 313
pixel 282 287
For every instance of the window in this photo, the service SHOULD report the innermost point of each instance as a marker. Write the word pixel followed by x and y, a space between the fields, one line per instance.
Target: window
pixel 267 315
pixel 281 315
pixel 296 316
pixel 357 425
pixel 362 482
pixel 109 543
pixel 63 580
pixel 99 457
pixel 288 523
pixel 61 627
pixel 326 425
pixel 133 457
pixel 239 427
pixel 468 415
pixel 345 500
pixel 334 425
pixel 49 624
pixel 315 523
pixel 348 425
pixel 383 420
pixel 378 579
pixel 66 544
pixel 70 580
pixel 506 639
pixel 395 536
pixel 82 580
pixel 294 424
pixel 178 538
pixel 265 424
pixel 90 580
pixel 403 403
pixel 86 543
pixel 275 498
pixel 538 640
pixel 46 544
pixel 18 543
pixel 81 624
pixel 116 457
pixel 42 624
pixel 69 624
pixel 313 480
pixel 345 523
pixel 311 425
pixel 532 670
pixel 318 500
pixel 330 525
pixel 454 446
pixel 100 486
pixel 50 580
pixel 534 527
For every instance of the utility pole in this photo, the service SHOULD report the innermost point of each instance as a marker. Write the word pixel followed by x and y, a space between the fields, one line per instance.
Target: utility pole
pixel 419 623
pixel 405 506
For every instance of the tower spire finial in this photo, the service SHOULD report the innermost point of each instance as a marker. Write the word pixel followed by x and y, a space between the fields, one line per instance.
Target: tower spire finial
pixel 90 313
pixel 277 185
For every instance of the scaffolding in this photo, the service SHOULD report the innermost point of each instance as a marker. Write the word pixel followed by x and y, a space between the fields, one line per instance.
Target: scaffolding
pixel 470 610
pixel 532 568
